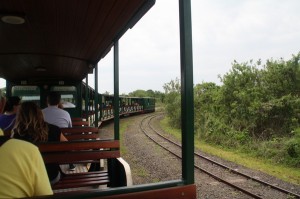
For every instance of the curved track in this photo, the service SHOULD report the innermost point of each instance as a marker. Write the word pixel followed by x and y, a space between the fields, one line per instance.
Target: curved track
pixel 240 181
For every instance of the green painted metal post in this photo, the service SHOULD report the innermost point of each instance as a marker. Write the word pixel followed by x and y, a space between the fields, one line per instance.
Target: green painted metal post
pixel 101 108
pixel 8 88
pixel 116 91
pixel 187 95
pixel 87 100
pixel 96 96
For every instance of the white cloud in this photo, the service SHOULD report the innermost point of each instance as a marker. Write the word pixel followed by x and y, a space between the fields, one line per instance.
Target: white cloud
pixel 242 30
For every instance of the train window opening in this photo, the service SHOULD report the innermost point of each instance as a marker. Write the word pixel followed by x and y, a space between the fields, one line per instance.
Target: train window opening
pixel 68 101
pixel 27 93
pixel 68 95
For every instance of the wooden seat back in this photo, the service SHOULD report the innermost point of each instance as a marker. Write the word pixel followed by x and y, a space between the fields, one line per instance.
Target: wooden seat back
pixel 74 119
pixel 80 123
pixel 78 151
pixel 79 130
pixel 80 133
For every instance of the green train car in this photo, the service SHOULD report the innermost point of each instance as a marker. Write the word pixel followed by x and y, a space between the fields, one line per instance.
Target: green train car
pixel 73 99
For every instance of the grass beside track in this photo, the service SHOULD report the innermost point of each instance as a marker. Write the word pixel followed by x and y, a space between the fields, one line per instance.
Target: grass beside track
pixel 123 126
pixel 287 174
pixel 136 170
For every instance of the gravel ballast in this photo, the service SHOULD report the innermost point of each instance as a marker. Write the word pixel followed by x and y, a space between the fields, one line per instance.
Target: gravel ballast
pixel 150 164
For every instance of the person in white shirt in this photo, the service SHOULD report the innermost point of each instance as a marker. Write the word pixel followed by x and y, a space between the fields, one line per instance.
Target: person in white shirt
pixel 57 116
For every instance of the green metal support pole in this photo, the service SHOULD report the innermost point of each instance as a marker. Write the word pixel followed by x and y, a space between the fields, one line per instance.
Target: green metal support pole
pixel 116 92
pixel 96 97
pixel 187 93
pixel 101 107
pixel 86 106
pixel 8 88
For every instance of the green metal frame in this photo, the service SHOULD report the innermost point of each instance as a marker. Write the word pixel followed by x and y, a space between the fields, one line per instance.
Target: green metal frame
pixel 187 102
pixel 187 93
pixel 96 97
pixel 87 100
pixel 116 92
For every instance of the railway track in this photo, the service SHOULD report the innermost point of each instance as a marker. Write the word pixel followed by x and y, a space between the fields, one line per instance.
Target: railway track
pixel 247 184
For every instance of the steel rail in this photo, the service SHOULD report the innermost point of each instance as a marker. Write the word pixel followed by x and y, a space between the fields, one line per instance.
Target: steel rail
pixel 226 167
pixel 214 162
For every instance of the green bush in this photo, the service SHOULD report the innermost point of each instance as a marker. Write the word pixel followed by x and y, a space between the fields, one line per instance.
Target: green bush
pixel 284 151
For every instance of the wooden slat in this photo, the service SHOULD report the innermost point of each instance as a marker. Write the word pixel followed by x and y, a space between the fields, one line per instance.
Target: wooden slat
pixel 77 119
pixel 77 156
pixel 82 137
pixel 80 123
pixel 77 145
pixel 78 152
pixel 79 130
pixel 179 192
pixel 81 184
pixel 84 175
pixel 84 179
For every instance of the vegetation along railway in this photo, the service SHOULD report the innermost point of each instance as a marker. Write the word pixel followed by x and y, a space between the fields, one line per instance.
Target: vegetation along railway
pixel 53 46
pixel 254 187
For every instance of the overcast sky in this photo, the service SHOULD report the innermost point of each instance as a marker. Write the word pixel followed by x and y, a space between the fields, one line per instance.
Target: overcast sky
pixel 223 31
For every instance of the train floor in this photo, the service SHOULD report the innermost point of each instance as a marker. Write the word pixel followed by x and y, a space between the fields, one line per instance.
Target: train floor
pixel 79 168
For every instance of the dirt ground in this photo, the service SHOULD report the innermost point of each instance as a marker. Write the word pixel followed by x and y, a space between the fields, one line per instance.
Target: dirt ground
pixel 151 164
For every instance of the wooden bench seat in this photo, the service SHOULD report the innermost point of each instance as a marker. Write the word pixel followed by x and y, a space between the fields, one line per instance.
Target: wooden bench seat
pixel 80 133
pixel 78 152
pixel 82 181
pixel 118 173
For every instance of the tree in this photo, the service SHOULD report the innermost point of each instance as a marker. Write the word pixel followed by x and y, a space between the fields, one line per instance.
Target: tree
pixel 172 102
pixel 206 106
pixel 138 93
pixel 261 102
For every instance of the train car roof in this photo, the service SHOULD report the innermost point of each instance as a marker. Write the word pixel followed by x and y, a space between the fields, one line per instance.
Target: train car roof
pixel 61 39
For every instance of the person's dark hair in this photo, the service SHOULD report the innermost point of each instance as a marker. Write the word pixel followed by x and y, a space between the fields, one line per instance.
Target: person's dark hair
pixel 11 102
pixel 53 98
pixel 30 123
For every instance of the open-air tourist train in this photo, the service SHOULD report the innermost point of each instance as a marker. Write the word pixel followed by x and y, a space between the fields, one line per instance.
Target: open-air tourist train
pixel 53 45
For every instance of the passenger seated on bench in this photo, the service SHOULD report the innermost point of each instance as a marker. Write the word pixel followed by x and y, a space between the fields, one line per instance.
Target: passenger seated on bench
pixel 30 126
pixel 7 120
pixel 22 171
pixel 57 116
